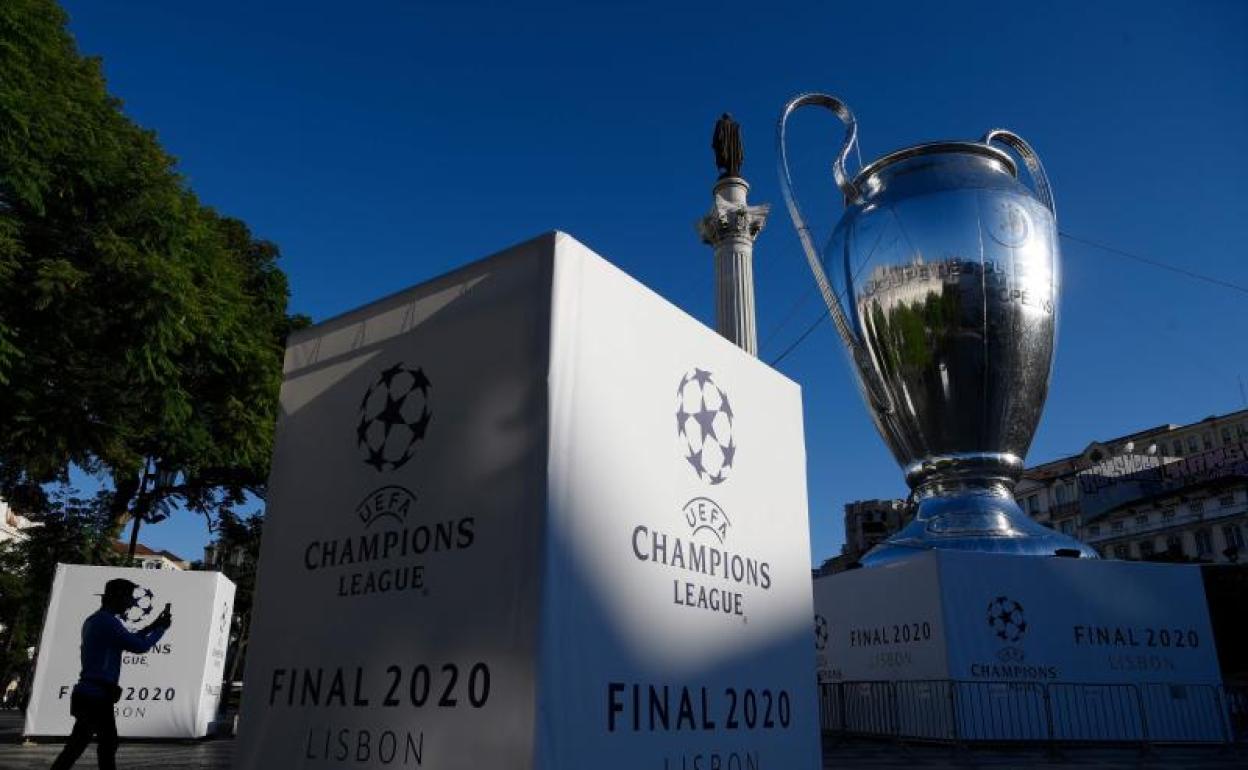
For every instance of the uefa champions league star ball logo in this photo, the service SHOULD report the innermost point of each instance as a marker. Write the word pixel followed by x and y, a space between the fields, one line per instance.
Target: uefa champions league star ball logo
pixel 821 632
pixel 704 426
pixel 1005 618
pixel 141 609
pixel 394 416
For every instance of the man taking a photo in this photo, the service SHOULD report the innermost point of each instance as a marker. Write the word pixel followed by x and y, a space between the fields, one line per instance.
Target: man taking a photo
pixel 104 639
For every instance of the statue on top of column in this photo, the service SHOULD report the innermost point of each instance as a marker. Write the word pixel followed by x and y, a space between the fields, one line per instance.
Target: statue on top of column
pixel 726 142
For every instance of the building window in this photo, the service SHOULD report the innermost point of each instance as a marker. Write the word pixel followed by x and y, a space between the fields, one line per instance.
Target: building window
pixel 1116 526
pixel 1192 446
pixel 1243 430
pixel 1060 494
pixel 1122 552
pixel 1197 506
pixel 1033 504
pixel 1204 542
pixel 1142 520
pixel 1226 501
pixel 1095 529
pixel 1233 535
pixel 1226 435
pixel 1174 545
pixel 1146 549
pixel 1067 527
pixel 1167 513
pixel 1178 447
pixel 1208 437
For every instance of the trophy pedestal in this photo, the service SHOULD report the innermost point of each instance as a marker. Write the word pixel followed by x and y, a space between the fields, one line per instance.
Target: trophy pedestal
pixel 956 645
pixel 530 515
pixel 983 521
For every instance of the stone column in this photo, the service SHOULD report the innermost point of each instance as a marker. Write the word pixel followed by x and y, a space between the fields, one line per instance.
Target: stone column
pixel 730 229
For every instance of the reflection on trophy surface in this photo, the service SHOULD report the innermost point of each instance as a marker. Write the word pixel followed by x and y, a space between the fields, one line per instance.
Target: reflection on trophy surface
pixel 949 266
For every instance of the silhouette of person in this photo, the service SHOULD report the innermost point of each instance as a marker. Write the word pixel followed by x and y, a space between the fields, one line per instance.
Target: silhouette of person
pixel 104 639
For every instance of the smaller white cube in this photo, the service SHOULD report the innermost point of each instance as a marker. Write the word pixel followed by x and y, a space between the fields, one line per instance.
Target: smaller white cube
pixel 170 692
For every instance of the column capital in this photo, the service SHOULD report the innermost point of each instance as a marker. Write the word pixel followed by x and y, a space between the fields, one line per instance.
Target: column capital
pixel 732 219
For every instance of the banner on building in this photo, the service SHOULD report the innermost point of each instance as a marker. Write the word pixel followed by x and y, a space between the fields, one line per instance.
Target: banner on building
pixel 530 515
pixel 170 692
pixel 1129 478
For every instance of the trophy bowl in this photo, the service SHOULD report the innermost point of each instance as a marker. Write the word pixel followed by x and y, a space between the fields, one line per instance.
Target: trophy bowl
pixel 949 266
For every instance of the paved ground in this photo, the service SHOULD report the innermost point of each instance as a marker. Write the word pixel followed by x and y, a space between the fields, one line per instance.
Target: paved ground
pixel 200 755
pixel 216 755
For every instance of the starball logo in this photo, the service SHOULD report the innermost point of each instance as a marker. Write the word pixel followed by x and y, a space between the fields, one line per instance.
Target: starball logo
pixel 138 615
pixel 1007 621
pixel 704 426
pixel 821 632
pixel 223 619
pixel 140 610
pixel 705 439
pixel 394 417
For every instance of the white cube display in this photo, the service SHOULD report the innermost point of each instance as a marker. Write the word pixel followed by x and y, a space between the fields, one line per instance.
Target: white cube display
pixel 170 692
pixel 530 515
pixel 1078 640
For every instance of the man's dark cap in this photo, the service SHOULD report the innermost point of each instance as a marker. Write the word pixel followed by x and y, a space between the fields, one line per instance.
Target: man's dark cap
pixel 120 587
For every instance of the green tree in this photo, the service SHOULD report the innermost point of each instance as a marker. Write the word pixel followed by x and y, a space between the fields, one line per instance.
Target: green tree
pixel 73 530
pixel 235 552
pixel 141 333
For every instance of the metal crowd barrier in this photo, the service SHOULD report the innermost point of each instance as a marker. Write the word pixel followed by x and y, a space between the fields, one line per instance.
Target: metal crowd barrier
pixel 1035 712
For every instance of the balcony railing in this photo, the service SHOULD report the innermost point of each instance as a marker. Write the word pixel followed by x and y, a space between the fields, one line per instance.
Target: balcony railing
pixel 1062 510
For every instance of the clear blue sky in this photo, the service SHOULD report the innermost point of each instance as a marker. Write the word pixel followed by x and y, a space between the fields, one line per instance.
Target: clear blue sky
pixel 383 143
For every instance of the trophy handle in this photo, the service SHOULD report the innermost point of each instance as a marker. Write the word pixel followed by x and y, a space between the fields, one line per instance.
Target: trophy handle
pixel 1041 180
pixel 862 359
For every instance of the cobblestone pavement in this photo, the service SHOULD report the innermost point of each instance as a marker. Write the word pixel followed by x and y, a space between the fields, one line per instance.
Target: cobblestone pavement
pixel 216 755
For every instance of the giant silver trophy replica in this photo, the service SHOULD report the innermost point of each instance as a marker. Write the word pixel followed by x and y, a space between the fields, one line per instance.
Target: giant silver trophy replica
pixel 950 266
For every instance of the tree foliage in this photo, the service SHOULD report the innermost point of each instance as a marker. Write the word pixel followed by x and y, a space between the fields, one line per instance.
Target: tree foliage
pixel 236 551
pixel 73 531
pixel 141 332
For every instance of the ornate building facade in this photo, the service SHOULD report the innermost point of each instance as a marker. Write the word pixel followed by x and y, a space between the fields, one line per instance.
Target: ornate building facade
pixel 1168 493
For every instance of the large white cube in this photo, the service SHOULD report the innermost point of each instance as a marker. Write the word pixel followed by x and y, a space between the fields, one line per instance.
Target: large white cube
pixel 998 647
pixel 170 692
pixel 530 515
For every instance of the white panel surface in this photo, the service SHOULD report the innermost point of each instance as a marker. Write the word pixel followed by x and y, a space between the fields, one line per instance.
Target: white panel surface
pixel 1013 618
pixel 396 606
pixel 1031 648
pixel 165 692
pixel 677 605
pixel 881 624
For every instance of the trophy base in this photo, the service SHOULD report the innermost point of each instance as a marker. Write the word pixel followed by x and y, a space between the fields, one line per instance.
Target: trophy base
pixel 982 520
